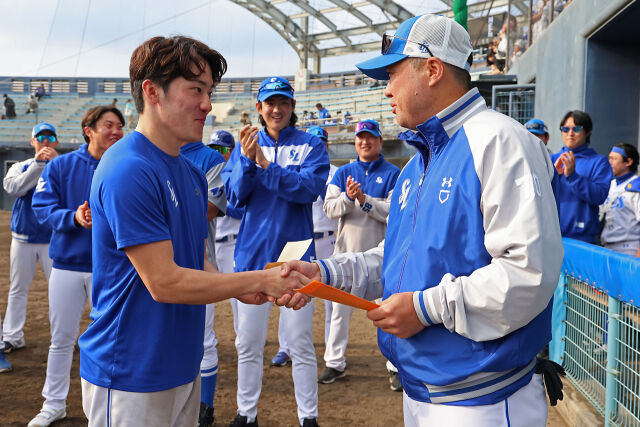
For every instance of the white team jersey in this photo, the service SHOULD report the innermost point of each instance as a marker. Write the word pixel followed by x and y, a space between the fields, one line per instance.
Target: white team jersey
pixel 621 213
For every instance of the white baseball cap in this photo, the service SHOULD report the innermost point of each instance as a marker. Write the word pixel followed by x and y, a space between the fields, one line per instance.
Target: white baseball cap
pixel 422 36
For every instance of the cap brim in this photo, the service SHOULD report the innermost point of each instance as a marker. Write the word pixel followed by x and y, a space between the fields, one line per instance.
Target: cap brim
pixel 376 68
pixel 274 93
pixel 372 132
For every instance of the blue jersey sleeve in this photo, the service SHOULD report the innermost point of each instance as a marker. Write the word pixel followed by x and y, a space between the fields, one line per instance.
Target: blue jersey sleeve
pixel 594 188
pixel 47 201
pixel 303 186
pixel 132 204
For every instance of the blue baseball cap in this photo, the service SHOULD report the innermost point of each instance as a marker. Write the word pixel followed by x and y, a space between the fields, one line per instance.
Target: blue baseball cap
pixel 423 36
pixel 536 126
pixel 274 86
pixel 42 127
pixel 370 126
pixel 319 132
pixel 222 138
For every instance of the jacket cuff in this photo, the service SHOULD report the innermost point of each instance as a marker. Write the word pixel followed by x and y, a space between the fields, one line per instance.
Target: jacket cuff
pixel 324 271
pixel 427 306
pixel 367 206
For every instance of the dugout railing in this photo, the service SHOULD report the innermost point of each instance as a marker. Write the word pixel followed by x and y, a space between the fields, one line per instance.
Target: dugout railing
pixel 596 334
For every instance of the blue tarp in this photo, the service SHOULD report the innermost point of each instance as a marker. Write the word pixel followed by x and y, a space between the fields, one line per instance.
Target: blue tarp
pixel 613 273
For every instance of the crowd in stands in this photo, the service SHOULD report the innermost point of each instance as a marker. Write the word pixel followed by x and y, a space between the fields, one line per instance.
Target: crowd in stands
pixel 516 41
pixel 9 105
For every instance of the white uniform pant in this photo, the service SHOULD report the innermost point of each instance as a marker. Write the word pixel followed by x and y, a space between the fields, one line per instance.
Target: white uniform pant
pixel 175 407
pixel 23 258
pixel 68 294
pixel 525 408
pixel 226 264
pixel 324 249
pixel 210 357
pixel 629 247
pixel 250 341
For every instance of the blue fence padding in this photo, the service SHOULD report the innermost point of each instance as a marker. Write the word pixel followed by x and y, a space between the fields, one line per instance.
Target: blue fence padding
pixel 613 273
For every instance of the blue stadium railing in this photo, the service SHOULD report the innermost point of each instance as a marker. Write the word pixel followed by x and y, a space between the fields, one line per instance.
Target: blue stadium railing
pixel 596 334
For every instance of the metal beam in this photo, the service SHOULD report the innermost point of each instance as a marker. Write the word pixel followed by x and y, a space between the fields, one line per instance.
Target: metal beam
pixel 304 5
pixel 398 12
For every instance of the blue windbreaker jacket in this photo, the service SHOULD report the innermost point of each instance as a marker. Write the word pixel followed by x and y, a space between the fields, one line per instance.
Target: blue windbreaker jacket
pixel 277 201
pixel 579 195
pixel 64 185
pixel 473 235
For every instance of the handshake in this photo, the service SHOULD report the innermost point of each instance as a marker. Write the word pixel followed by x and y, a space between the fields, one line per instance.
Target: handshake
pixel 279 285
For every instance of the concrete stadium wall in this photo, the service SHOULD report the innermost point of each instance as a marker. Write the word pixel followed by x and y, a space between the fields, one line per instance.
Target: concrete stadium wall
pixel 572 69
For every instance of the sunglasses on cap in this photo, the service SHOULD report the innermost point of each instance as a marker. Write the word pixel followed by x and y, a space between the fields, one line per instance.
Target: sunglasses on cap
pixel 276 86
pixel 536 126
pixel 387 39
pixel 366 126
pixel 220 149
pixel 47 138
pixel 566 129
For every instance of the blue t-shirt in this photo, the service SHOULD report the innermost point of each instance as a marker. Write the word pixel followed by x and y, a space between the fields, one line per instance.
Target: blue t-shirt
pixel 142 195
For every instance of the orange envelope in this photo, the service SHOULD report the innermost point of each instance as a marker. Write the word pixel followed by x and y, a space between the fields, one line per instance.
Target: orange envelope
pixel 320 290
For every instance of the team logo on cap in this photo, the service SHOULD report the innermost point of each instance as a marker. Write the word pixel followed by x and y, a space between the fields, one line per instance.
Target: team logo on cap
pixel 424 47
pixel 273 79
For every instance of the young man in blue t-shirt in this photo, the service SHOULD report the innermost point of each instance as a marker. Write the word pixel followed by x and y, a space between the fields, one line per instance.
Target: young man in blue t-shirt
pixel 149 208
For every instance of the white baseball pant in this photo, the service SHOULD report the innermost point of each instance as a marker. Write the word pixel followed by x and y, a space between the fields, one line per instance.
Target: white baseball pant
pixel 226 264
pixel 175 407
pixel 250 341
pixel 210 356
pixel 324 249
pixel 23 258
pixel 68 295
pixel 629 247
pixel 525 408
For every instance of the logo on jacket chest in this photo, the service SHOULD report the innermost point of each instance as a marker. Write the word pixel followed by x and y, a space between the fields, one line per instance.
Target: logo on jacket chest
pixel 404 193
pixel 445 191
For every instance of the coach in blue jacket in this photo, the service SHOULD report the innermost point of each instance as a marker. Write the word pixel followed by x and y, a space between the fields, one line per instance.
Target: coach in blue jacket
pixel 61 201
pixel 584 179
pixel 473 250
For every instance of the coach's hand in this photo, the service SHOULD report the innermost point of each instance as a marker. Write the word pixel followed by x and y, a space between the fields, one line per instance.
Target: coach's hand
pixel 254 298
pixel 83 216
pixel 275 284
pixel 45 154
pixel 249 141
pixel 308 269
pixel 397 316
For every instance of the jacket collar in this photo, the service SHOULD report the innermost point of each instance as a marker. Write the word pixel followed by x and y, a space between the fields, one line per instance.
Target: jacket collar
pixel 373 164
pixel 584 147
pixel 284 133
pixel 439 129
pixel 622 178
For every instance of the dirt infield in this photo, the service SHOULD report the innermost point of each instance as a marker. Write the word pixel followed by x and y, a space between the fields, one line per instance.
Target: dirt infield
pixel 362 398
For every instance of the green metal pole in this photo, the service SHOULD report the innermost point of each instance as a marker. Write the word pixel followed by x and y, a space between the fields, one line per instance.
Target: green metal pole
pixel 460 12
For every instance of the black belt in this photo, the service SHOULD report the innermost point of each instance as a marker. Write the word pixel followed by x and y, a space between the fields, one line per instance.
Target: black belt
pixel 227 238
pixel 322 235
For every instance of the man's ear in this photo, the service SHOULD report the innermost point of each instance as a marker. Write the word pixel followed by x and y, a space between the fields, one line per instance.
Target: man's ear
pixel 150 92
pixel 434 70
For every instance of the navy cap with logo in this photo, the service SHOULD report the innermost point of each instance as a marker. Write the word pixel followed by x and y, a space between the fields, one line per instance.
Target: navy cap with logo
pixel 274 86
pixel 370 126
pixel 536 126
pixel 221 138
pixel 319 132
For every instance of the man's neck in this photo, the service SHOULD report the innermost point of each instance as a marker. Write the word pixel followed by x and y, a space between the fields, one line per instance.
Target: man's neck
pixel 94 152
pixel 275 134
pixel 155 132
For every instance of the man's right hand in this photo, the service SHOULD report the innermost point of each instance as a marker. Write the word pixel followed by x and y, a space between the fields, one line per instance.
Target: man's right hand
pixel 249 141
pixel 45 154
pixel 276 284
pixel 83 216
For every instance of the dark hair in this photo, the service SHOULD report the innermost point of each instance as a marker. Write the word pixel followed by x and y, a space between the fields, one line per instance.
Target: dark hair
pixel 580 118
pixel 318 105
pixel 630 152
pixel 292 121
pixel 94 114
pixel 162 60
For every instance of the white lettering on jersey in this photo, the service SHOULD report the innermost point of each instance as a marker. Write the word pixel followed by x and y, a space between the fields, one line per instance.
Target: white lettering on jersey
pixel 530 185
pixel 41 185
pixel 173 194
pixel 404 193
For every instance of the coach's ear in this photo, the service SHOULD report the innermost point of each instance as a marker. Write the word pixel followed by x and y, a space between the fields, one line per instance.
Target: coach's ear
pixel 150 92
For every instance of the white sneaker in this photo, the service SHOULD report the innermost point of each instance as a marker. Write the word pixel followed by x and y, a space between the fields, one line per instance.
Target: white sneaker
pixel 46 417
